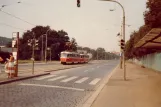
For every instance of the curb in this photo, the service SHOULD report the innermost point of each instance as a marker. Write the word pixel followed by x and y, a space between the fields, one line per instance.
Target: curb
pixel 94 96
pixel 22 78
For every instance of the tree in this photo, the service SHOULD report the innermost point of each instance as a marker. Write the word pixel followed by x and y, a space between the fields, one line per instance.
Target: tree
pixel 55 40
pixel 100 53
pixel 152 16
pixel 72 45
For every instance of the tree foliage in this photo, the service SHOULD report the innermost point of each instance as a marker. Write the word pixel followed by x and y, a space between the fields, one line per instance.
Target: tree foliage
pixel 153 15
pixel 56 41
pixel 152 18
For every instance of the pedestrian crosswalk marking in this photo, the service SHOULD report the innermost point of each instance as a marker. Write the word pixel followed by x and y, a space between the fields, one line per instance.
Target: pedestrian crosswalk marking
pixel 69 79
pixel 66 79
pixel 45 77
pixel 53 79
pixel 95 81
pixel 82 80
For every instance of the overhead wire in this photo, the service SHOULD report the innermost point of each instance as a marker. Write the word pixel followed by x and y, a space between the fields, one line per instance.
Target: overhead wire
pixel 2 6
pixel 17 17
pixel 12 26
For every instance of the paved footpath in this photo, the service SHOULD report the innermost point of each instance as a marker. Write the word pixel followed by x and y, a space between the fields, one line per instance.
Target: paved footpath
pixel 142 89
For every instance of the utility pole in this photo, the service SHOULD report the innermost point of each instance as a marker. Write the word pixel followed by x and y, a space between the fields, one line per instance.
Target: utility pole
pixel 97 54
pixel 50 54
pixel 105 55
pixel 33 53
pixel 123 24
pixel 42 50
pixel 124 40
pixel 121 49
pixel 46 45
pixel 46 49
pixel 16 71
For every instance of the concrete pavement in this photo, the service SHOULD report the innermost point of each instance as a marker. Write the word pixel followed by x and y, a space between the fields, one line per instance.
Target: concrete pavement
pixel 142 89
pixel 66 88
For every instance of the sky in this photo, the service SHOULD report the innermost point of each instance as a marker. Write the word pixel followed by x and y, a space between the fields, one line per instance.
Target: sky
pixel 92 25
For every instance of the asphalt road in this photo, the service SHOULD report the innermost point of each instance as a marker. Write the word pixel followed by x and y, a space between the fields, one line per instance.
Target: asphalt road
pixel 65 88
pixel 41 67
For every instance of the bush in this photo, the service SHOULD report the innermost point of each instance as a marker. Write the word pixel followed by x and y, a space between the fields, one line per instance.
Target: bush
pixel 4 55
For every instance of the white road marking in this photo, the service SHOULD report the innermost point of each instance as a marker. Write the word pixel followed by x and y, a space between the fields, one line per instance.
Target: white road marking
pixel 82 80
pixel 51 86
pixel 44 77
pixel 69 79
pixel 92 68
pixel 53 79
pixel 95 81
pixel 25 69
pixel 86 71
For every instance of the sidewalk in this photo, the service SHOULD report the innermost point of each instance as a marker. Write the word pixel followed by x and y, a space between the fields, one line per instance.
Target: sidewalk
pixel 142 89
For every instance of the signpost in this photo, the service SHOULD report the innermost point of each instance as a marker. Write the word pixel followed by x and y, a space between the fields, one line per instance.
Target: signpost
pixel 15 50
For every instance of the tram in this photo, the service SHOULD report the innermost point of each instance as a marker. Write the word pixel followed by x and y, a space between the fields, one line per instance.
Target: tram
pixel 73 57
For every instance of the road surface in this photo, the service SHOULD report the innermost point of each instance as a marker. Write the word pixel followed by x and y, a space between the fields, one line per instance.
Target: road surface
pixel 65 88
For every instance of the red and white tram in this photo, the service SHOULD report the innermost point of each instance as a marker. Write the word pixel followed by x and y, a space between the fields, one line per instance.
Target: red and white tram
pixel 73 57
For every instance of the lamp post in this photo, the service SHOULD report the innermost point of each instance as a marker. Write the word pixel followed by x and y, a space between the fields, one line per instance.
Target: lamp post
pixel 42 51
pixel 46 45
pixel 49 49
pixel 123 24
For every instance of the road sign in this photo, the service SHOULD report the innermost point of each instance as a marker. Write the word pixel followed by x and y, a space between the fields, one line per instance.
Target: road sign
pixel 15 55
pixel 13 43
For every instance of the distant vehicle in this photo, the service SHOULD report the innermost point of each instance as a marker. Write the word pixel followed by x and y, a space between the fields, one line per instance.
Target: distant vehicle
pixel 73 57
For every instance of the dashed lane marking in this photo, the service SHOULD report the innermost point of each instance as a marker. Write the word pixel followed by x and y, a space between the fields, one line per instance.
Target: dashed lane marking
pixel 86 71
pixel 92 68
pixel 98 66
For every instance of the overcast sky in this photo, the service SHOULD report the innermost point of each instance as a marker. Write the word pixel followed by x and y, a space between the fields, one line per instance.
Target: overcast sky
pixel 92 25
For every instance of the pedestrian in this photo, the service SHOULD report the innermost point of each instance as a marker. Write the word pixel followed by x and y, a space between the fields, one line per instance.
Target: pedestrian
pixel 1 59
pixel 11 67
pixel 6 68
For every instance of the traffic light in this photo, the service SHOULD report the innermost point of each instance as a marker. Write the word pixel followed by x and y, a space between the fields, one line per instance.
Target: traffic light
pixel 122 44
pixel 36 42
pixel 78 3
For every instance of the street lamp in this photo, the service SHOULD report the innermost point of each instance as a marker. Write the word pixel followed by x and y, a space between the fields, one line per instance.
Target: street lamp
pixel 49 49
pixel 46 45
pixel 123 24
pixel 42 50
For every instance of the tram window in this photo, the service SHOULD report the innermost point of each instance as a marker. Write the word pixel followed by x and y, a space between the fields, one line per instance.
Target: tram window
pixel 63 55
pixel 69 55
